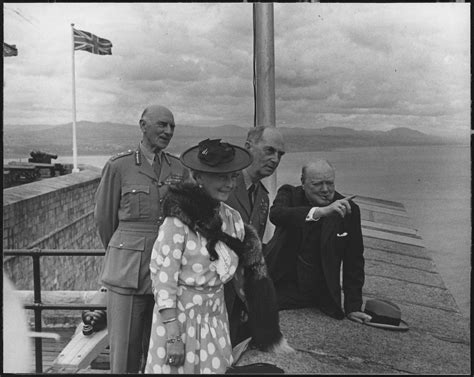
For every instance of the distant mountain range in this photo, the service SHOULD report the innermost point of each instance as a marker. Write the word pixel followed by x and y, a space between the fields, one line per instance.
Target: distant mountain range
pixel 109 138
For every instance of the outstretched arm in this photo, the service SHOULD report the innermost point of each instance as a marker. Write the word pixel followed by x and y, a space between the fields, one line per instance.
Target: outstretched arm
pixel 340 207
pixel 284 211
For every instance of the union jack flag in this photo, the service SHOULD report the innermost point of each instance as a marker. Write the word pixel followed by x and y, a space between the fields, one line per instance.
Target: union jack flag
pixel 9 50
pixel 83 40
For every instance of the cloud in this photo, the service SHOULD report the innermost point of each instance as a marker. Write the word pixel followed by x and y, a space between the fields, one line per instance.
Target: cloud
pixel 358 65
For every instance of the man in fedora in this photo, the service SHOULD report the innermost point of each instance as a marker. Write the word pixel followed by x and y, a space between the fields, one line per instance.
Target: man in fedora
pixel 250 198
pixel 317 230
pixel 128 215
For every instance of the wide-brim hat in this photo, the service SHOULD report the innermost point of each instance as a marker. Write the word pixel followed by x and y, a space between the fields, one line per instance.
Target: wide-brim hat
pixel 216 156
pixel 385 315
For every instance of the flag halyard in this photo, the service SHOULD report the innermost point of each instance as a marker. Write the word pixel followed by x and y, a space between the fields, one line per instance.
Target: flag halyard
pixel 85 41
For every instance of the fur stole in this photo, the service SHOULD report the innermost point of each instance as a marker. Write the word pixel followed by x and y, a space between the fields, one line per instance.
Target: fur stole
pixel 200 212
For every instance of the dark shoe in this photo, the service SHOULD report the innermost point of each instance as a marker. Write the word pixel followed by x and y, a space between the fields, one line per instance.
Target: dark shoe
pixel 257 368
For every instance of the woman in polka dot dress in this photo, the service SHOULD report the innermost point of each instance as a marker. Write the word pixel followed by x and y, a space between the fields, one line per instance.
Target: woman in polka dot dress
pixel 189 266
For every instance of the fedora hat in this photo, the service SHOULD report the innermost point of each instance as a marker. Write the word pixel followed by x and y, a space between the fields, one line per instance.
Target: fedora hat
pixel 385 315
pixel 216 156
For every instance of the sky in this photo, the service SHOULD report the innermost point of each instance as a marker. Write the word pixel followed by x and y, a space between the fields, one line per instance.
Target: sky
pixel 363 66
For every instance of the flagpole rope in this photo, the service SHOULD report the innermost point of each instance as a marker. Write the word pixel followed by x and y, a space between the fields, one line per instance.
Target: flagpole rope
pixel 74 143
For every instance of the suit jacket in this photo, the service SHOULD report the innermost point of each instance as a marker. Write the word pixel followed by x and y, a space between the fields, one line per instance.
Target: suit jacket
pixel 128 214
pixel 288 213
pixel 239 200
pixel 257 217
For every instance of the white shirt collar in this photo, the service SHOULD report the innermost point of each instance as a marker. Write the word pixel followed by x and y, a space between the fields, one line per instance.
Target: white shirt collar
pixel 247 179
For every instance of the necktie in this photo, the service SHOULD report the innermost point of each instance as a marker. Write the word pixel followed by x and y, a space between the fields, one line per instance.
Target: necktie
pixel 157 166
pixel 251 192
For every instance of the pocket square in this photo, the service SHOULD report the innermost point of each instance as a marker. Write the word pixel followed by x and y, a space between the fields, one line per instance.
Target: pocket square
pixel 342 234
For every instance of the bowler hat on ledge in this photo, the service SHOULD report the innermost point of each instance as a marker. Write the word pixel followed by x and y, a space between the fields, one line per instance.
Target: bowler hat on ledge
pixel 216 156
pixel 385 315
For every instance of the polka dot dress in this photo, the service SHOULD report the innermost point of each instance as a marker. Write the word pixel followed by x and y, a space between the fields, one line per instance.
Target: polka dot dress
pixel 185 278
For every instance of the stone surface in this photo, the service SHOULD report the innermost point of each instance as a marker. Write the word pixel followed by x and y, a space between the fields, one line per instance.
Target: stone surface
pixel 54 213
pixel 392 228
pixel 378 202
pixel 399 212
pixel 406 273
pixel 397 259
pixel 391 236
pixel 387 218
pixel 396 248
pixel 403 291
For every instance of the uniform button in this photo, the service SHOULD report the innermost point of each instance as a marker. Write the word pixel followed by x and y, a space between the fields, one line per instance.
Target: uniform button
pixel 160 218
pixel 161 200
pixel 134 190
pixel 121 245
pixel 160 184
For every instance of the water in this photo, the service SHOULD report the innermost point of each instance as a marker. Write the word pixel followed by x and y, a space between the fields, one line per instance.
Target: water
pixel 433 183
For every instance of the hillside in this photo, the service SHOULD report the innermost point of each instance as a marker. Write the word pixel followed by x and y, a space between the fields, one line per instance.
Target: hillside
pixel 108 138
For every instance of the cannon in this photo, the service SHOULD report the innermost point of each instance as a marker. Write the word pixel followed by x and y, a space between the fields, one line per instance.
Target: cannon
pixel 38 166
pixel 42 157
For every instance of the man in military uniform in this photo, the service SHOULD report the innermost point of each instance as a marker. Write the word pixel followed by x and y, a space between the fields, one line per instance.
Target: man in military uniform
pixel 250 198
pixel 128 215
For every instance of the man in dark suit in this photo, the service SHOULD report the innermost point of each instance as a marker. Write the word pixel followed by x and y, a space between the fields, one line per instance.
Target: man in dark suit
pixel 317 230
pixel 250 198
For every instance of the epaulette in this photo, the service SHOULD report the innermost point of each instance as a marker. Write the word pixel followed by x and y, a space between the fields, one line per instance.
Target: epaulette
pixel 121 154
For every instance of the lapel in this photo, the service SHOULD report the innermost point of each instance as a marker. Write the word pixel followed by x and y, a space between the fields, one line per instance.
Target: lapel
pixel 259 191
pixel 165 168
pixel 300 200
pixel 241 194
pixel 330 225
pixel 260 203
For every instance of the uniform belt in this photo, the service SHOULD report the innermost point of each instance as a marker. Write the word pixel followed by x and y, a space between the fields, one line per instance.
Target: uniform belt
pixel 139 226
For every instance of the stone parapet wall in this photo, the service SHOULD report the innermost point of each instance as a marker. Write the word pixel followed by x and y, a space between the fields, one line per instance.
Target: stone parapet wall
pixel 54 213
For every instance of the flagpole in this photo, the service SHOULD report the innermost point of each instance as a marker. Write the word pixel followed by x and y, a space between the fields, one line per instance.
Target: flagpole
pixel 75 169
pixel 264 71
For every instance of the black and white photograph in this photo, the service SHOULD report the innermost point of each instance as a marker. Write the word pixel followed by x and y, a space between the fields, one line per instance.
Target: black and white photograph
pixel 237 188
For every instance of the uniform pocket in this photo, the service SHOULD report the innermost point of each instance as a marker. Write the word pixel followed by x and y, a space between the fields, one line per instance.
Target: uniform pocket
pixel 136 201
pixel 122 261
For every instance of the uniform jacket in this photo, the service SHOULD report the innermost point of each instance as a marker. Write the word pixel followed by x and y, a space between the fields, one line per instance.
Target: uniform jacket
pixel 128 214
pixel 288 213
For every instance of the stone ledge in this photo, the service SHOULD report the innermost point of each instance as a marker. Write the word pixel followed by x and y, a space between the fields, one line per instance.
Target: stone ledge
pixel 328 346
pixel 32 190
